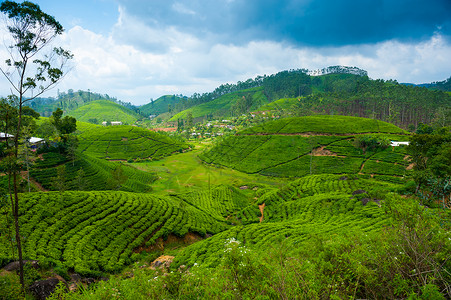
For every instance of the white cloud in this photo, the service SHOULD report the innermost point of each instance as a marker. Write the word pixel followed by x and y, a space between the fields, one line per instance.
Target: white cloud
pixel 136 62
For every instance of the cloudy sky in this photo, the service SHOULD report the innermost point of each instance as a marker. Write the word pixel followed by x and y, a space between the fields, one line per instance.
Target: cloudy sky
pixel 136 49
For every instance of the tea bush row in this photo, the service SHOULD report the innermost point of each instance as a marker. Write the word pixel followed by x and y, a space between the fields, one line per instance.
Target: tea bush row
pixel 93 232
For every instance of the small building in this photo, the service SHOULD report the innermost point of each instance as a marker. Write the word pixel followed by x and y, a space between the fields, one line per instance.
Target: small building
pixel 36 142
pixel 5 136
pixel 105 123
pixel 396 144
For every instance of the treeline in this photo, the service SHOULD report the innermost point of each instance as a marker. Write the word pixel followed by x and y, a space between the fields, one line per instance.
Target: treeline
pixel 378 99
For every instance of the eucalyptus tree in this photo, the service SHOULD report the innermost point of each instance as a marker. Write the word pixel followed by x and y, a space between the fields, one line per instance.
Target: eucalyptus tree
pixel 31 69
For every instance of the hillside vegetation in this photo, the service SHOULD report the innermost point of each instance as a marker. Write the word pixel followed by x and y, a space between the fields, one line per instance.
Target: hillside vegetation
pixel 226 105
pixel 126 142
pixel 71 101
pixel 295 147
pixel 306 204
pixel 161 105
pixel 313 206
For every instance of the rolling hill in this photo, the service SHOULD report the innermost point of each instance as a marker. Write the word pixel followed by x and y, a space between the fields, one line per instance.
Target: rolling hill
pixel 96 174
pixel 318 205
pixel 295 147
pixel 337 93
pixel 104 110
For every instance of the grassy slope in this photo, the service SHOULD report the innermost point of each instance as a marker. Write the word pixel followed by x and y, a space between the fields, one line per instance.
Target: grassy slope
pixel 283 148
pixel 104 110
pixel 185 173
pixel 126 142
pixel 223 104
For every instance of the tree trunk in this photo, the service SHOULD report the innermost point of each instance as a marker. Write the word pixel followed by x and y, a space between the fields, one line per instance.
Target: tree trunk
pixel 16 223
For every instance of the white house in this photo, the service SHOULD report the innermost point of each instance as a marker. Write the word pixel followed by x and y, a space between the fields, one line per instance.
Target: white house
pixel 396 144
pixel 5 136
pixel 104 123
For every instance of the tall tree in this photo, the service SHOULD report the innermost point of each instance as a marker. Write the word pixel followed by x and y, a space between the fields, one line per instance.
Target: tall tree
pixel 29 71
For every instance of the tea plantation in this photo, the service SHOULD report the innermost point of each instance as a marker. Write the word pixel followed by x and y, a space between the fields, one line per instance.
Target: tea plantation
pixel 96 173
pixel 126 142
pixel 295 147
pixel 309 207
pixel 93 232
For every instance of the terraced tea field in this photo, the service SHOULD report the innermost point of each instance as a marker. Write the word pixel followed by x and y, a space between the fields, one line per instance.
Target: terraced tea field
pixel 318 205
pixel 296 147
pixel 126 142
pixel 91 232
pixel 96 173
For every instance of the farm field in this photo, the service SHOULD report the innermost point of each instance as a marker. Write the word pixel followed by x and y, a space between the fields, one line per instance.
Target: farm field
pixel 97 174
pixel 93 232
pixel 312 206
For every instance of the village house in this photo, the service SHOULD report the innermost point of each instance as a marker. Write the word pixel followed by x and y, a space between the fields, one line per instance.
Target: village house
pixel 396 144
pixel 5 136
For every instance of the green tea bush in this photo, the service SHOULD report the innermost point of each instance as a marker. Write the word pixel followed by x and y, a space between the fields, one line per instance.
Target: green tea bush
pixel 126 142
pixel 93 232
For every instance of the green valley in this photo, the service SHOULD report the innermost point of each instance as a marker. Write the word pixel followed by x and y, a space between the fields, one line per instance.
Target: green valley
pixel 302 183
pixel 278 201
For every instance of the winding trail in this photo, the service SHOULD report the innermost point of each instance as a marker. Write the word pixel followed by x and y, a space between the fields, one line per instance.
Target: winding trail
pixel 262 208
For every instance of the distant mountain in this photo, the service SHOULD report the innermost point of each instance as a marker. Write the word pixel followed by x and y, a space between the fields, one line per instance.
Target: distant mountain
pixel 104 110
pixel 161 105
pixel 444 85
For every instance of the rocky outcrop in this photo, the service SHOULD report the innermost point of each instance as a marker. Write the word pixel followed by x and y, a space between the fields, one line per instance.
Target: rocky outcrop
pixel 44 288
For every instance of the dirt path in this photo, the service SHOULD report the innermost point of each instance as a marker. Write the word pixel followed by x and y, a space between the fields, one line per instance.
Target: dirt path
pixel 32 181
pixel 262 208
